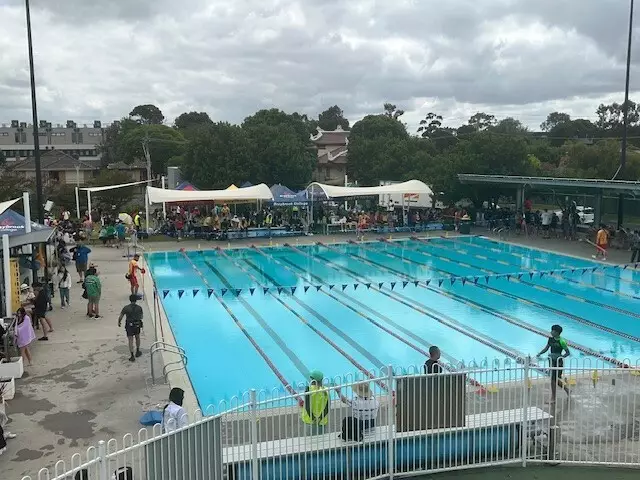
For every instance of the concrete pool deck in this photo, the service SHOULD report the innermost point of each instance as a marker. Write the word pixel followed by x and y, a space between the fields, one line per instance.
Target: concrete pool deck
pixel 82 389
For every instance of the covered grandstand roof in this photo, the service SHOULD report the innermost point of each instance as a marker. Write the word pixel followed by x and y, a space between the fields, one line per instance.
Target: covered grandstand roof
pixel 620 186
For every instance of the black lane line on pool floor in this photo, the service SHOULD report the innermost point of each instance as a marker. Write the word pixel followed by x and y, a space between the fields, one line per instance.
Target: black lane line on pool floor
pixel 437 316
pixel 377 324
pixel 522 248
pixel 242 328
pixel 262 322
pixel 494 312
pixel 524 282
pixel 440 244
pixel 322 319
pixel 512 296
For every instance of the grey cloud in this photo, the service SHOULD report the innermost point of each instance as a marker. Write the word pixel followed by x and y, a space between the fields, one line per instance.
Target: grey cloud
pixel 99 59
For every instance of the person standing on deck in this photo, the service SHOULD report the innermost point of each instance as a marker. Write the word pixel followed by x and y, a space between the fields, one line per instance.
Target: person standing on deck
pixel 314 408
pixel 132 274
pixel 559 350
pixel 602 242
pixel 132 314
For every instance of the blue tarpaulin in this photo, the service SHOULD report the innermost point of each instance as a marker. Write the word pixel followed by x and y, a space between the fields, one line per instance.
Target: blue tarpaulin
pixel 12 224
pixel 285 197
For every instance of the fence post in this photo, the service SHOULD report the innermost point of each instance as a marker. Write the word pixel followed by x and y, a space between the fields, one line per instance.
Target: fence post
pixel 390 423
pixel 524 440
pixel 102 455
pixel 255 471
pixel 155 315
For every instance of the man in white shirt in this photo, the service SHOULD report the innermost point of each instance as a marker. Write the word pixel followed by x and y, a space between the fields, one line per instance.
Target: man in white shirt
pixel 546 222
pixel 66 214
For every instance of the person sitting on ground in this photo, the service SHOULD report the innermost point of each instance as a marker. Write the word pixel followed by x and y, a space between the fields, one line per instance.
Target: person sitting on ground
pixel 314 407
pixel 364 406
pixel 432 365
pixel 121 231
pixel 174 416
pixel 132 325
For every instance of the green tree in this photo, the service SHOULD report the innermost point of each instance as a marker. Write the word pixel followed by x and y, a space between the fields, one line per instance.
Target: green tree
pixel 481 121
pixel 510 126
pixel 572 130
pixel 430 125
pixel 374 143
pixel 391 111
pixel 186 121
pixel 218 155
pixel 108 198
pixel 281 151
pixel 164 143
pixel 610 117
pixel 331 118
pixel 553 119
pixel 13 184
pixel 147 115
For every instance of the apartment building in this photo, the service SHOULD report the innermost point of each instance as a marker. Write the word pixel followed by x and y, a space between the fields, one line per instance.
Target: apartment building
pixel 80 141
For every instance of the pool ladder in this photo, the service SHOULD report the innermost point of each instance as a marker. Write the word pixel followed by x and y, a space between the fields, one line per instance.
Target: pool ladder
pixel 170 366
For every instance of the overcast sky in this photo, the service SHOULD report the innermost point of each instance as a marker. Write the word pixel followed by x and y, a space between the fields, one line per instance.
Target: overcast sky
pixel 98 59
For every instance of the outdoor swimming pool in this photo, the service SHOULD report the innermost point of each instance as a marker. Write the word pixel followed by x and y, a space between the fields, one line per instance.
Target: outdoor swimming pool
pixel 262 318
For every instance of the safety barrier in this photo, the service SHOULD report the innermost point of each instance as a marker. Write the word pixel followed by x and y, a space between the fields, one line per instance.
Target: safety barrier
pixel 406 422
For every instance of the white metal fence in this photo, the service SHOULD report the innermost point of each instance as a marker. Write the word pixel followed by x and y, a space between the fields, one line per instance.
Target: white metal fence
pixel 497 413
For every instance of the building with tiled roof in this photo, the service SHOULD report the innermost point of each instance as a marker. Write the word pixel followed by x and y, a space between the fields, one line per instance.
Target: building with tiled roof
pixel 332 148
pixel 62 168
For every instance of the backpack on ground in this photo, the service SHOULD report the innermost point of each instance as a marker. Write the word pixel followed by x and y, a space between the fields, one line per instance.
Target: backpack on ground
pixel 351 430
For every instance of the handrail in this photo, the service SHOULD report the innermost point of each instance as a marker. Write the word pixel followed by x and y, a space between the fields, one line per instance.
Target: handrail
pixel 160 346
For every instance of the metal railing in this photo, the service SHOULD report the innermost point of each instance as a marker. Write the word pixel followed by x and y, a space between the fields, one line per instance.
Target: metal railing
pixel 160 346
pixel 392 422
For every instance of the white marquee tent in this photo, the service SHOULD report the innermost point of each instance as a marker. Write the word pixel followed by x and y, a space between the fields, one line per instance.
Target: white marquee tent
pixel 256 192
pixel 412 186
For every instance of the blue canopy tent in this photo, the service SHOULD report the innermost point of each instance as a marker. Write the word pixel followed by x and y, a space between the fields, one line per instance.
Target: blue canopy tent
pixel 246 184
pixel 13 225
pixel 285 197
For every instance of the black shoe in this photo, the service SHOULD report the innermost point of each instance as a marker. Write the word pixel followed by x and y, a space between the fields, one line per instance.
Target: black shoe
pixel 43 339
pixel 97 316
pixel 138 353
pixel 132 358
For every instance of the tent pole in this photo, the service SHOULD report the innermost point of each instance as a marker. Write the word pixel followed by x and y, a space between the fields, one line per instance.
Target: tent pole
pixel 89 205
pixel 33 274
pixel 77 202
pixel 146 210
pixel 6 265
pixel 164 204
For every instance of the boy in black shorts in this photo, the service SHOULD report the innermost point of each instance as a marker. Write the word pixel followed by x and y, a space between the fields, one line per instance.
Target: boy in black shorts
pixel 559 350
pixel 132 325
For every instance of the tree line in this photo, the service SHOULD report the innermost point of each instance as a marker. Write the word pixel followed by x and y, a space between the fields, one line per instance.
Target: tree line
pixel 273 146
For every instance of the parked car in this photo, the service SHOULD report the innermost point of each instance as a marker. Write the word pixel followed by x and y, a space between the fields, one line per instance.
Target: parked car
pixel 586 214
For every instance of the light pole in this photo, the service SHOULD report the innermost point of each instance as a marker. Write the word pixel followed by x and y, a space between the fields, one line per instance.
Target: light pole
pixel 625 113
pixel 34 111
pixel 36 137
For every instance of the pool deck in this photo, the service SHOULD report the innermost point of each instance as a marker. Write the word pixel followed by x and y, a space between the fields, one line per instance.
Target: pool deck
pixel 82 389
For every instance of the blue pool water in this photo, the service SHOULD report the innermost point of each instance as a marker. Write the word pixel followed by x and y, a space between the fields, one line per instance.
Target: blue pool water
pixel 265 340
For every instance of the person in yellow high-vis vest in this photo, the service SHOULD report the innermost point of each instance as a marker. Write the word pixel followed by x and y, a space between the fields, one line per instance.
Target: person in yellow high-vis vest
pixel 314 407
